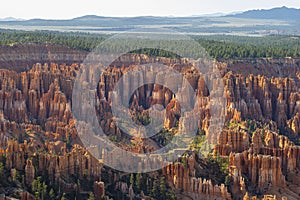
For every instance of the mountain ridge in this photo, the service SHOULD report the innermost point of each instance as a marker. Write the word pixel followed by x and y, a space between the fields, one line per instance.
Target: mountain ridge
pixel 279 13
pixel 254 22
pixel 255 13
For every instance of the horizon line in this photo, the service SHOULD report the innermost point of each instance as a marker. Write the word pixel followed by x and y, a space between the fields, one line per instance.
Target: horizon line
pixel 215 14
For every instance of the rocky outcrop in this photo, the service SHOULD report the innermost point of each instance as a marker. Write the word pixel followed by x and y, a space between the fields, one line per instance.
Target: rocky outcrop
pixel 15 155
pixel 38 100
pixel 26 196
pixel 262 99
pixel 232 141
pixel 269 67
pixel 29 172
pixel 265 165
pixel 99 190
pixel 20 57
pixel 183 179
pixel 262 171
pixel 276 145
pixel 77 163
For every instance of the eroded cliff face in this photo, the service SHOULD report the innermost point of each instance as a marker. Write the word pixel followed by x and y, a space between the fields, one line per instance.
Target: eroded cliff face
pixel 77 162
pixel 263 99
pixel 269 67
pixel 265 166
pixel 183 178
pixel 21 57
pixel 35 108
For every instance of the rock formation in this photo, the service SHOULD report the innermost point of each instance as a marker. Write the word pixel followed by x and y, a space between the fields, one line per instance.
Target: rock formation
pixel 37 125
pixel 183 179
pixel 99 190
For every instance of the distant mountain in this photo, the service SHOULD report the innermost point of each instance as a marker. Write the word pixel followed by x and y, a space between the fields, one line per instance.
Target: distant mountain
pixel 100 21
pixel 282 13
pixel 288 22
pixel 89 17
pixel 7 19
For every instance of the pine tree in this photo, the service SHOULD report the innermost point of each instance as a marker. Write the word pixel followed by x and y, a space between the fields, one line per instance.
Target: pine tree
pixel 148 186
pixel 131 179
pixel 44 190
pixel 138 182
pixel 34 185
pixel 91 197
pixel 51 194
pixel 162 187
pixel 1 170
pixel 63 197
pixel 155 189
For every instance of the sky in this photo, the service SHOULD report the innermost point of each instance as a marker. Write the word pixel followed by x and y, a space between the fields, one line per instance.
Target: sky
pixel 68 9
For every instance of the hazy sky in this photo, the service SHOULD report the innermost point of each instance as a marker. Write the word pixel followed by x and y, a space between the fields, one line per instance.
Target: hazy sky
pixel 66 9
